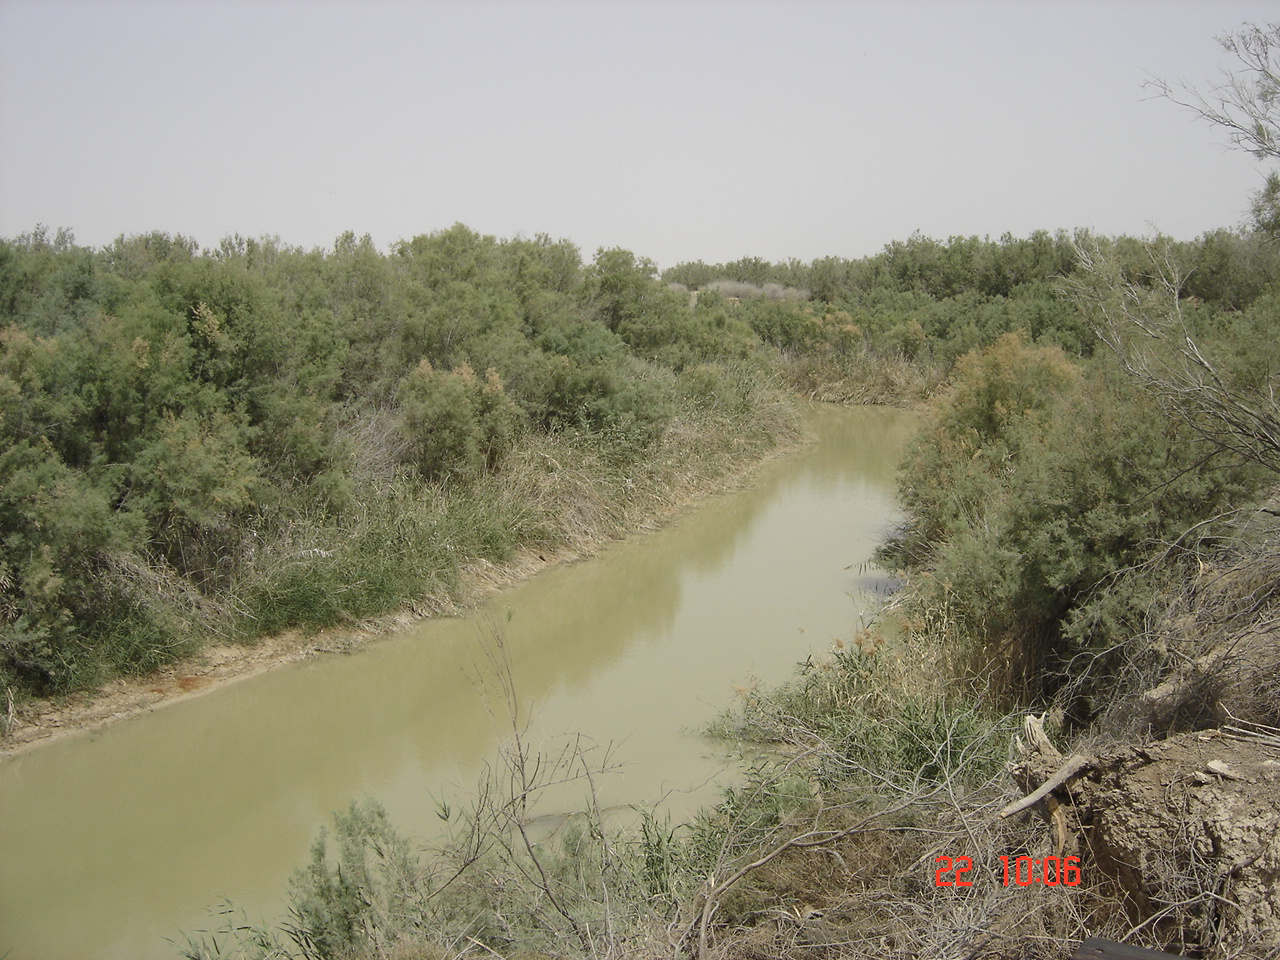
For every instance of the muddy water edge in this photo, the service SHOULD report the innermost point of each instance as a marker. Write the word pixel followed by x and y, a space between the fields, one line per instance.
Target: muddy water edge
pixel 113 841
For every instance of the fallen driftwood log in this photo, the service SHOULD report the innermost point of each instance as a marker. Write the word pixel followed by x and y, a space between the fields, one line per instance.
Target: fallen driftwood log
pixel 1042 772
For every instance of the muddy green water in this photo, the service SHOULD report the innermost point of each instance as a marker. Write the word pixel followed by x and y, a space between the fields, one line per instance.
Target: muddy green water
pixel 112 842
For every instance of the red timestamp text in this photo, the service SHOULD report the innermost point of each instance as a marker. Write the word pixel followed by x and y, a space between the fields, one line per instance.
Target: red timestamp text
pixel 1020 871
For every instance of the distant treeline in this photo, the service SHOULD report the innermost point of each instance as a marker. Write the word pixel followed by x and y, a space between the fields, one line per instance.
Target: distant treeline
pixel 235 440
pixel 942 299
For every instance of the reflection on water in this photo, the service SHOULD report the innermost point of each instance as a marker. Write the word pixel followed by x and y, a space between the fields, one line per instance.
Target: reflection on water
pixel 111 842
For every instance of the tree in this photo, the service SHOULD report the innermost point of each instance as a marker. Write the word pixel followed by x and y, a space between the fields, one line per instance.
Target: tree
pixel 1246 103
pixel 1149 325
pixel 1033 480
pixel 1142 315
pixel 620 286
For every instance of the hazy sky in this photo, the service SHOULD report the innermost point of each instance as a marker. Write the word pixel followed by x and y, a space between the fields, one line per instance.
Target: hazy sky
pixel 679 130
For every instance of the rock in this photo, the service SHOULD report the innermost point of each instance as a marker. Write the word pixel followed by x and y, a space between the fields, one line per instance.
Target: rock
pixel 1222 770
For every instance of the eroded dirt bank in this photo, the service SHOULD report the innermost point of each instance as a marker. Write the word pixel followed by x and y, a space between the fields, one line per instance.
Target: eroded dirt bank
pixel 41 721
pixel 1193 818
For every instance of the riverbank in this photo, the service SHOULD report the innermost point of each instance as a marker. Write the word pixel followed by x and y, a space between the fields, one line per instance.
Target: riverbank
pixel 693 462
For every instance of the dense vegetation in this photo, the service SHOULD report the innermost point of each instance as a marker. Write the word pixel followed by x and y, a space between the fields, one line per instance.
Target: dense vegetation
pixel 228 442
pixel 1043 468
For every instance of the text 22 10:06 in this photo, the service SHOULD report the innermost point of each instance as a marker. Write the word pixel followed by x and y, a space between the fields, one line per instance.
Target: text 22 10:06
pixel 1053 871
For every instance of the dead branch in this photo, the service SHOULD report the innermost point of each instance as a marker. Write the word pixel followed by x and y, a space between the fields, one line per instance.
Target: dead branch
pixel 1142 322
pixel 1075 766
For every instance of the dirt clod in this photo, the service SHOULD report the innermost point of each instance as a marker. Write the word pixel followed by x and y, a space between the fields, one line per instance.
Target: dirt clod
pixel 1189 828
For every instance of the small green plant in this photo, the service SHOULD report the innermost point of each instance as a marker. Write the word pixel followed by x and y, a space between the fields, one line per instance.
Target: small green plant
pixel 363 894
pixel 233 938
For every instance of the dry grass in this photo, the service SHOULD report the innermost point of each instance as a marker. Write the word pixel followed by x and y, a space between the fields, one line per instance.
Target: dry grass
pixel 1207 649
pixel 862 377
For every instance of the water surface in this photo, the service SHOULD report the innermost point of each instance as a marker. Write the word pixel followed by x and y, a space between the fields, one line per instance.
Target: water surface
pixel 114 841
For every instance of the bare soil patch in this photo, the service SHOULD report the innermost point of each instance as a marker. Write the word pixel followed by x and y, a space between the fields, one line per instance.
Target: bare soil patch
pixel 1190 829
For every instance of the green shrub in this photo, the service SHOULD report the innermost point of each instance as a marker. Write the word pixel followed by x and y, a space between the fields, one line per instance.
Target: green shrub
pixel 455 426
pixel 1032 482
pixel 364 897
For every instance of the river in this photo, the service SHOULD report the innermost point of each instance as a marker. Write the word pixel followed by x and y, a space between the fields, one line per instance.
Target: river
pixel 112 842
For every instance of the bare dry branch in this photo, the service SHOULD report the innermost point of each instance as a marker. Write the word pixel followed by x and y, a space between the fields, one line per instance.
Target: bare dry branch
pixel 1142 321
pixel 1246 103
pixel 1074 766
